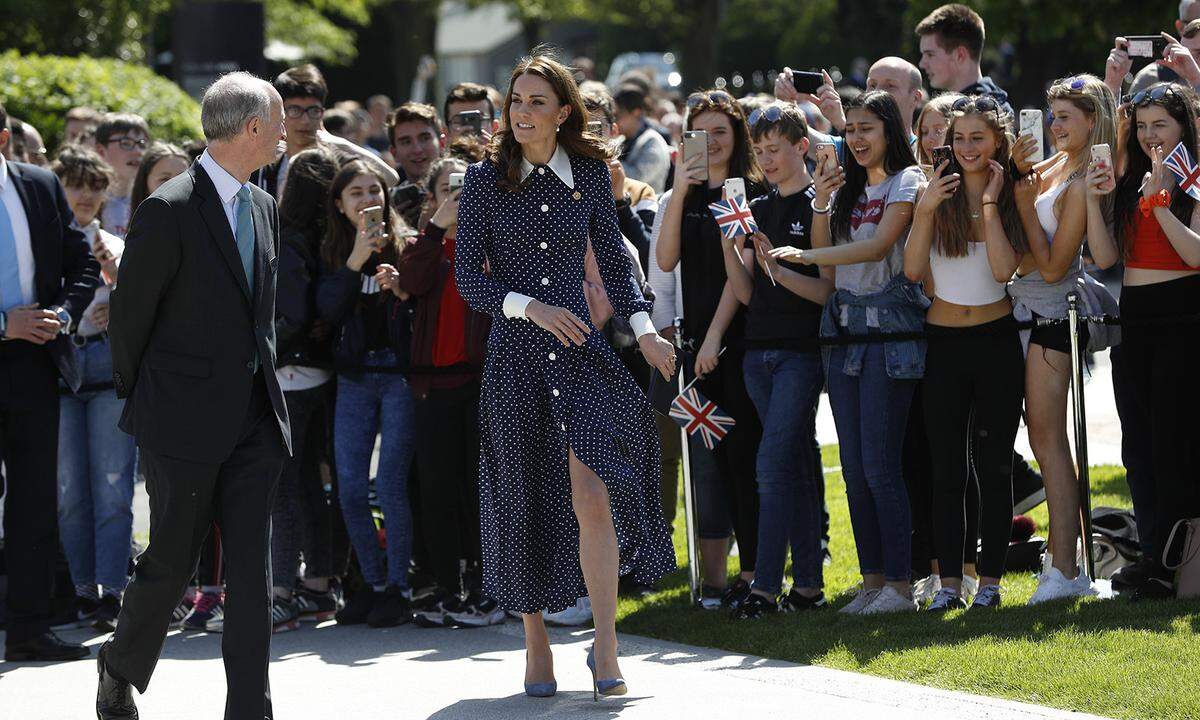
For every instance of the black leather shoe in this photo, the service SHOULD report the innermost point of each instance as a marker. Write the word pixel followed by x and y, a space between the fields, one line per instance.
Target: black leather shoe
pixel 46 647
pixel 114 697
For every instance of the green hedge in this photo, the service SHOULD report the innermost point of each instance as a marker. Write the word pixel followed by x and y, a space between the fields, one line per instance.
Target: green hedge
pixel 41 88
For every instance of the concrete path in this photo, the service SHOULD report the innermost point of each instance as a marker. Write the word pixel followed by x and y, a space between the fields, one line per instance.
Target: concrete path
pixel 409 673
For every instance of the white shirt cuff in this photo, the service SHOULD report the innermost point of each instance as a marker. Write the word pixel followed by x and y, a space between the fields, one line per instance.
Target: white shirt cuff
pixel 515 304
pixel 641 324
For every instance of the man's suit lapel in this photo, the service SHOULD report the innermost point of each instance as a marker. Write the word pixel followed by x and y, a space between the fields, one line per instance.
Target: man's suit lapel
pixel 33 217
pixel 218 226
pixel 262 250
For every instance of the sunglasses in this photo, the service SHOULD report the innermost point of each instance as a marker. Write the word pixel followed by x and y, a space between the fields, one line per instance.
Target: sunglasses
pixel 1149 95
pixel 770 114
pixel 1074 84
pixel 983 103
pixel 295 112
pixel 127 143
pixel 716 97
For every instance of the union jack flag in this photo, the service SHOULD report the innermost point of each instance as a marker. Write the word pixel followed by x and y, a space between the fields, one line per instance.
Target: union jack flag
pixel 733 216
pixel 700 416
pixel 1180 162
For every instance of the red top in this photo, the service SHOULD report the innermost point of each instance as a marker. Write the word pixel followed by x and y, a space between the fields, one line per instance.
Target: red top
pixel 1150 248
pixel 449 341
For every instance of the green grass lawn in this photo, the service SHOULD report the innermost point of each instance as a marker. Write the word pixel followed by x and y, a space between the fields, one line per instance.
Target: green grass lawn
pixel 1104 657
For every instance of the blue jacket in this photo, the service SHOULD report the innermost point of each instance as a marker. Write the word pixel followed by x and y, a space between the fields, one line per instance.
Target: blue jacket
pixel 898 308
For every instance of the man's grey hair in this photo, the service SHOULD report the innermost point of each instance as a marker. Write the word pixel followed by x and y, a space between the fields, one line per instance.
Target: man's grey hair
pixel 230 102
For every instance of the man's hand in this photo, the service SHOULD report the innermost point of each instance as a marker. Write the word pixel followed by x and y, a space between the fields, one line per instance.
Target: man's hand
pixel 32 324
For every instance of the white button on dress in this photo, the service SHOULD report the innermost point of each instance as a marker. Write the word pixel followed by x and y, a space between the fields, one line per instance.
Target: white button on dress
pixel 545 281
pixel 545 208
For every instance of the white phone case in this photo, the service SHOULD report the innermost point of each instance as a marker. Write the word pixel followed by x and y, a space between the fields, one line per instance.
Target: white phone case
pixel 735 186
pixel 1031 124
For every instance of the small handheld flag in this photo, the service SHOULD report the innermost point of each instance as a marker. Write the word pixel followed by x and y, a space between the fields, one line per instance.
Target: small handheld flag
pixel 1180 162
pixel 700 416
pixel 733 216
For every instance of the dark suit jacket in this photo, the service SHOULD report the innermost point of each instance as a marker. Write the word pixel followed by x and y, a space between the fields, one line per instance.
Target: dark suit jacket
pixel 65 273
pixel 183 325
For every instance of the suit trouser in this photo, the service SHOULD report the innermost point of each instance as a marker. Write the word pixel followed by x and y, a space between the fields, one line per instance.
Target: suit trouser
pixel 185 499
pixel 29 451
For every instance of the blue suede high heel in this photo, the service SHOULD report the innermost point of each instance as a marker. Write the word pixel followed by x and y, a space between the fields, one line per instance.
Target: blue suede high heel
pixel 542 689
pixel 615 686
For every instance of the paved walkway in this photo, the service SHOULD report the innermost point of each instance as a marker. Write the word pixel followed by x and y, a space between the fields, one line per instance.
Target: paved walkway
pixel 409 673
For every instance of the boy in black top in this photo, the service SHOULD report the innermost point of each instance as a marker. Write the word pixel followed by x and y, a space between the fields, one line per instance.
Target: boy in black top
pixel 782 365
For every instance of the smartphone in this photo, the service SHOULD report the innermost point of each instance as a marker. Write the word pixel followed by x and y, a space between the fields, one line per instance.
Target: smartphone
pixel 1102 155
pixel 695 144
pixel 826 157
pixel 735 187
pixel 1146 46
pixel 456 181
pixel 807 82
pixel 941 154
pixel 1032 124
pixel 372 215
pixel 470 119
pixel 595 127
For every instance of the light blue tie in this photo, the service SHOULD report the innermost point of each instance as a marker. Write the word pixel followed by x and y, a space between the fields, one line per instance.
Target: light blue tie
pixel 10 268
pixel 245 243
pixel 245 235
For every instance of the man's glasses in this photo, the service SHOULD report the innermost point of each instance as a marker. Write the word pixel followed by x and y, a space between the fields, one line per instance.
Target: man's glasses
pixel 295 112
pixel 771 113
pixel 716 97
pixel 983 103
pixel 127 143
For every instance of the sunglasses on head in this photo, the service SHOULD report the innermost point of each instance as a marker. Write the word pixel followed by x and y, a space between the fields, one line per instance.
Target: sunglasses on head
pixel 1149 95
pixel 1074 84
pixel 770 114
pixel 983 103
pixel 716 97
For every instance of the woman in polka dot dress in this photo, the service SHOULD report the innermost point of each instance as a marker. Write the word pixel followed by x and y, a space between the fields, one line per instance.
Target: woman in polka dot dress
pixel 569 461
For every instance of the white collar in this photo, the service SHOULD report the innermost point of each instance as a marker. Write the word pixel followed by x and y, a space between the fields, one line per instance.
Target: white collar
pixel 226 184
pixel 560 165
pixel 3 171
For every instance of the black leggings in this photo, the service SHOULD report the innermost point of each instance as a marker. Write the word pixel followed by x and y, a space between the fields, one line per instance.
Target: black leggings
pixel 974 385
pixel 1159 368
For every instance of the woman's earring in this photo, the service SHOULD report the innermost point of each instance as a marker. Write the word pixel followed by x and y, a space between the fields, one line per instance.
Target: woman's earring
pixel 557 128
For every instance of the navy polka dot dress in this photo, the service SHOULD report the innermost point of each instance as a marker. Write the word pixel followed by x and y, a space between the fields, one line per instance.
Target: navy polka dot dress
pixel 540 399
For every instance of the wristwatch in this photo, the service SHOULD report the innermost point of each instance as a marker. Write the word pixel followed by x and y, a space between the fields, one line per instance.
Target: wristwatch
pixel 624 202
pixel 64 318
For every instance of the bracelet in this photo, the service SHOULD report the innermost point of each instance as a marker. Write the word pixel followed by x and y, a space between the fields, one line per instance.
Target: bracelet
pixel 820 211
pixel 1160 199
pixel 989 202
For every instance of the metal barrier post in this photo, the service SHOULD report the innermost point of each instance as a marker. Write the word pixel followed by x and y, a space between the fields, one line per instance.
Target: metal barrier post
pixel 689 497
pixel 1081 454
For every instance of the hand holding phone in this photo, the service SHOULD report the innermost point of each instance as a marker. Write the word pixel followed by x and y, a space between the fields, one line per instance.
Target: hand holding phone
pixel 456 181
pixel 1101 174
pixel 826 157
pixel 944 154
pixel 1032 126
pixel 735 187
pixel 693 158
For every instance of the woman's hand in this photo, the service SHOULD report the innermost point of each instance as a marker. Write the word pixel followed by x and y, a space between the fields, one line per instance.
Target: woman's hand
pixel 1159 178
pixel 1022 153
pixel 762 253
pixel 688 175
pixel 708 356
pixel 784 89
pixel 1119 65
pixel 366 244
pixel 1100 180
pixel 826 183
pixel 827 99
pixel 659 353
pixel 995 185
pixel 100 316
pixel 617 172
pixel 1178 58
pixel 560 322
pixel 446 216
pixel 388 278
pixel 793 255
pixel 1026 190
pixel 939 187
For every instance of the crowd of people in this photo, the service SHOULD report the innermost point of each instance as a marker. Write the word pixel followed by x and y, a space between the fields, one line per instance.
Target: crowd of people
pixel 867 223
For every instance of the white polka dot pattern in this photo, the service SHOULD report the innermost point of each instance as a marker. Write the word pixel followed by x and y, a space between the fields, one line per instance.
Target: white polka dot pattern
pixel 539 398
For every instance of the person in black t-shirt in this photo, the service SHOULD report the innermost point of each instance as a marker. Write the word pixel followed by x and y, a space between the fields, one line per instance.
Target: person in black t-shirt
pixel 782 365
pixel 687 236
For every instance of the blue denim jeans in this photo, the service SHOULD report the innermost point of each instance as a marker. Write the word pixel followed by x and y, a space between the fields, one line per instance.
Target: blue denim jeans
pixel 369 405
pixel 95 477
pixel 785 386
pixel 870 411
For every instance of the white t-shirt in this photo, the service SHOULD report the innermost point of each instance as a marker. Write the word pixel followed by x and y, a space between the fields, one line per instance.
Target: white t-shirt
pixel 870 277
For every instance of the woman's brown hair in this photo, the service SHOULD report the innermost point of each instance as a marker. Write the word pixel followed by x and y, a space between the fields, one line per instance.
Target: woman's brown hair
pixel 141 181
pixel 742 162
pixel 505 152
pixel 340 232
pixel 952 226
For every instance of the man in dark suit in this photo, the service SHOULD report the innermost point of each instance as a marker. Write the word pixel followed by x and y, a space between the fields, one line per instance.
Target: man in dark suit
pixel 47 279
pixel 193 346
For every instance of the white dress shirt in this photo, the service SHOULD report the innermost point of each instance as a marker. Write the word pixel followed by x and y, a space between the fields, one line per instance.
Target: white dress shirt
pixel 20 229
pixel 227 188
pixel 514 302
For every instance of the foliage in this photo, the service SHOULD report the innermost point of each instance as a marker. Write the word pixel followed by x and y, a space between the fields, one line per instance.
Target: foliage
pixel 113 28
pixel 41 88
pixel 324 30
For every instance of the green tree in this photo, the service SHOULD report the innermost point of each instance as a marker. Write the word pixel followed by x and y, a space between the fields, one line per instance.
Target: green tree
pixel 109 28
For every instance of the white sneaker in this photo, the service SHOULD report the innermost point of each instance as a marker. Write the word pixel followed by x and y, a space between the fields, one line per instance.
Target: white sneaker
pixel 925 588
pixel 1053 585
pixel 970 586
pixel 861 600
pixel 578 614
pixel 889 601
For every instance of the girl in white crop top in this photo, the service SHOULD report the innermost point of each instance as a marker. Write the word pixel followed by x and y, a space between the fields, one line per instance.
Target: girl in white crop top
pixel 967 237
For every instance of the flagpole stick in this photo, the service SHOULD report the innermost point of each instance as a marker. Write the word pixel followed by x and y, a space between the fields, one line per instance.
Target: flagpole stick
pixel 1081 450
pixel 689 497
